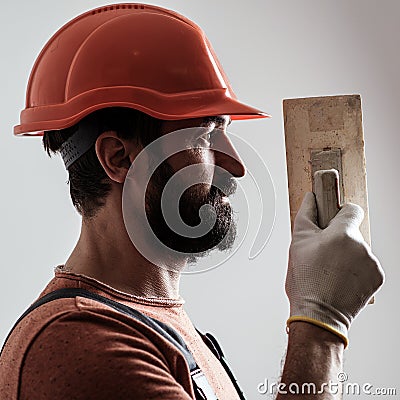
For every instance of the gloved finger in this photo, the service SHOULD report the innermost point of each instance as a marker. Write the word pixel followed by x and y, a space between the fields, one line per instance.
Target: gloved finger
pixel 306 217
pixel 350 215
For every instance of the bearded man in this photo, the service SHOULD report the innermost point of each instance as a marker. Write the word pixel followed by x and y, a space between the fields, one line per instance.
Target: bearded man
pixel 133 82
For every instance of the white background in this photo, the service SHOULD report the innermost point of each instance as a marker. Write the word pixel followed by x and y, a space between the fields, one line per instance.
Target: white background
pixel 270 50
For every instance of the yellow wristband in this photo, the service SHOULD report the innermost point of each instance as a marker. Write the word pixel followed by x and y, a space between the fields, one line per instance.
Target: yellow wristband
pixel 320 324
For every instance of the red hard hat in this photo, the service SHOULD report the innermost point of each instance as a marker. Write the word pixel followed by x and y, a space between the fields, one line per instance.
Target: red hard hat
pixel 127 55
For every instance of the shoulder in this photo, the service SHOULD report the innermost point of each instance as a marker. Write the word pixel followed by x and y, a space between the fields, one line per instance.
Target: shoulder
pixel 90 350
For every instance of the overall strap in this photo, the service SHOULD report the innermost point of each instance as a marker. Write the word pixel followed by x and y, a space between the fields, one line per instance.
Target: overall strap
pixel 215 347
pixel 201 386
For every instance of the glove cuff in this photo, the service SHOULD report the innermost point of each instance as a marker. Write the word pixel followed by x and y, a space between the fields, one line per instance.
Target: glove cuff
pixel 340 331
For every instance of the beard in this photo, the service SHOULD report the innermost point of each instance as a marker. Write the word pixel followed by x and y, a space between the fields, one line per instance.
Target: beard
pixel 216 218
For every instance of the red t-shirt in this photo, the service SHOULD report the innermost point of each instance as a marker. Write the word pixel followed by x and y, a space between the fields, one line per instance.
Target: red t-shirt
pixel 81 349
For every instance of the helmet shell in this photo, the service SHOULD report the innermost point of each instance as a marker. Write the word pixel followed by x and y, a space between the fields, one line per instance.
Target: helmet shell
pixel 127 55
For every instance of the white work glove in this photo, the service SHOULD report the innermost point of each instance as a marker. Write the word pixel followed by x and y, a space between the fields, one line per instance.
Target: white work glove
pixel 332 273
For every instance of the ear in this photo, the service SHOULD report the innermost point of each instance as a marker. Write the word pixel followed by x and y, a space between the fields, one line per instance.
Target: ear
pixel 115 155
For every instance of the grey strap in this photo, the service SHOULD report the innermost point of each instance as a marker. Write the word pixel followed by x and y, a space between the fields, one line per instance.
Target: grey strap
pixel 78 144
pixel 201 386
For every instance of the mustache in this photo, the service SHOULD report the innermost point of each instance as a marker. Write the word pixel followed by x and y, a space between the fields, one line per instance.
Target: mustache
pixel 224 185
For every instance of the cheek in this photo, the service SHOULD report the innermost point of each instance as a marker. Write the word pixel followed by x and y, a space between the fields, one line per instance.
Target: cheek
pixel 200 163
pixel 204 170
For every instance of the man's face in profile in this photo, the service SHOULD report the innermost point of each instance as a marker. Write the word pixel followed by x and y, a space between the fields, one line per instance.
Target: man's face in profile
pixel 204 203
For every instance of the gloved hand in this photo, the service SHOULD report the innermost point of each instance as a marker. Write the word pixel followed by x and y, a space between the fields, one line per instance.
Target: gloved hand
pixel 332 272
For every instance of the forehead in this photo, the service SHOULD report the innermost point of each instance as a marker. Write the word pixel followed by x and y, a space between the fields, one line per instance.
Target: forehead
pixel 219 120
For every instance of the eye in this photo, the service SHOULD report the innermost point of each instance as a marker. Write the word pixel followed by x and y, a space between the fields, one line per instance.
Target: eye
pixel 206 136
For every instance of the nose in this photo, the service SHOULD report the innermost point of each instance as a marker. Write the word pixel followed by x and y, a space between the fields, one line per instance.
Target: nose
pixel 226 156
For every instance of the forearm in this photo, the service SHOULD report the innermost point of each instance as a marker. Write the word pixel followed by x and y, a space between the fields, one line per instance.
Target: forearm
pixel 313 360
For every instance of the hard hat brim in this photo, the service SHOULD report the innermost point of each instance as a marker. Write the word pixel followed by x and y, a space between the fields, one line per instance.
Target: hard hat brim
pixel 195 104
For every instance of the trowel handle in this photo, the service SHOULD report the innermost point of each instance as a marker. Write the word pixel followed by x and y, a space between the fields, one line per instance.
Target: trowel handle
pixel 326 190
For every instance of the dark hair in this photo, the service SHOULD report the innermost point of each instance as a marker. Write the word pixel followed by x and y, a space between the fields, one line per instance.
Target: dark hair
pixel 89 184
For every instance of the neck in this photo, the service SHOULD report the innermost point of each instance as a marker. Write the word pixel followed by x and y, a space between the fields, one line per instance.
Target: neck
pixel 104 252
